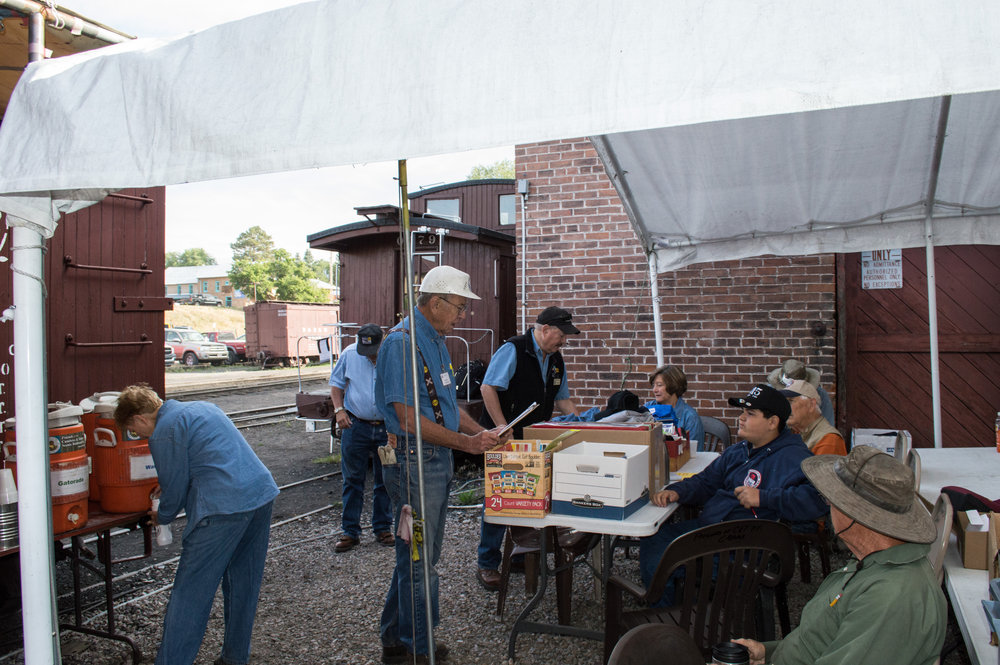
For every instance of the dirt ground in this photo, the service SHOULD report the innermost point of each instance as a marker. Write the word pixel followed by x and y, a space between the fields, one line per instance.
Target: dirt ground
pixel 317 606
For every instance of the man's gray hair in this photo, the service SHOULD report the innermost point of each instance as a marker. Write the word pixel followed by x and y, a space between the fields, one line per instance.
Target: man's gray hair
pixel 423 299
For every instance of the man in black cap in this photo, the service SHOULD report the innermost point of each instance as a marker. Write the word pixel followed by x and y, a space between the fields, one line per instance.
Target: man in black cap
pixel 362 431
pixel 527 368
pixel 758 477
pixel 887 606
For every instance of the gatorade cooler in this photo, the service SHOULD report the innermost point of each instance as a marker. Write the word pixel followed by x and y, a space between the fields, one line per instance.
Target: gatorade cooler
pixel 89 418
pixel 69 468
pixel 124 469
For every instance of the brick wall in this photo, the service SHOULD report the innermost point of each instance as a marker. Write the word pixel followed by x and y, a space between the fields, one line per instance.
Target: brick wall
pixel 726 324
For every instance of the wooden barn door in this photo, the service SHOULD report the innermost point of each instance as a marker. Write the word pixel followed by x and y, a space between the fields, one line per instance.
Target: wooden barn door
pixel 886 380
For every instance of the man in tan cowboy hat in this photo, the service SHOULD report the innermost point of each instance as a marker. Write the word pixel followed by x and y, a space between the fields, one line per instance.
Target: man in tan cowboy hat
pixel 886 607
pixel 795 370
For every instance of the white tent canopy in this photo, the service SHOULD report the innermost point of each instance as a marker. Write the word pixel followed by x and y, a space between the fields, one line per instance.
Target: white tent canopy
pixel 839 180
pixel 349 81
pixel 813 95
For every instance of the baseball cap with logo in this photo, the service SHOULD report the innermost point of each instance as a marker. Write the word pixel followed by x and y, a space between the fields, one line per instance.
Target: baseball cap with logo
pixel 766 398
pixel 446 280
pixel 800 388
pixel 369 338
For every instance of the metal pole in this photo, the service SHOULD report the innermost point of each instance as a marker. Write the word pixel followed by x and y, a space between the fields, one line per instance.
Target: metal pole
pixel 38 600
pixel 404 212
pixel 932 322
pixel 66 21
pixel 654 290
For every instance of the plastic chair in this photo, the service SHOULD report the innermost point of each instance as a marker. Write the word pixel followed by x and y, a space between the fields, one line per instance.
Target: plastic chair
pixel 656 644
pixel 821 539
pixel 568 546
pixel 726 564
pixel 913 461
pixel 942 516
pixel 717 437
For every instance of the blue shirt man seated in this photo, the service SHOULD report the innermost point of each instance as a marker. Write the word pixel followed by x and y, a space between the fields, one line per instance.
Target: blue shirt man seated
pixel 759 477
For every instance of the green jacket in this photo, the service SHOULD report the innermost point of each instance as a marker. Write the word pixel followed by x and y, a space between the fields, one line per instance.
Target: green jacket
pixel 890 610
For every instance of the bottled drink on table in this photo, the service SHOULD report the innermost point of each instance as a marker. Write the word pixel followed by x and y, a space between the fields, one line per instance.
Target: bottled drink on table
pixel 998 431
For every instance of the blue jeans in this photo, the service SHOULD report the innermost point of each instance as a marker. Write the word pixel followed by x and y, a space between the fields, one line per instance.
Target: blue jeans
pixel 227 548
pixel 358 444
pixel 404 617
pixel 488 555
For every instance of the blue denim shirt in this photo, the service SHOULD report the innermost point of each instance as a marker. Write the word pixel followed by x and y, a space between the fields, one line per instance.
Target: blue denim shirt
pixel 355 375
pixel 205 465
pixel 504 362
pixel 393 381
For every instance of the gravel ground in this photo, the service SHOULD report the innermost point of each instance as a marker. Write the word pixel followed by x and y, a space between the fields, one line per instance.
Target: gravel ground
pixel 317 606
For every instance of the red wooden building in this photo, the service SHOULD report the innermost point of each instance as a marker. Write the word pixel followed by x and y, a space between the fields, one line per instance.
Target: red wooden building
pixel 473 221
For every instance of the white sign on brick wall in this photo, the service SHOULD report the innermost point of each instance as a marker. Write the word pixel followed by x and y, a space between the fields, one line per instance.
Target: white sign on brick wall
pixel 882 269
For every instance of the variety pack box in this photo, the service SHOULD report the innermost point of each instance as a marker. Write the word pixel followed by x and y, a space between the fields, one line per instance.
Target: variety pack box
pixel 973 536
pixel 606 480
pixel 646 434
pixel 890 441
pixel 519 478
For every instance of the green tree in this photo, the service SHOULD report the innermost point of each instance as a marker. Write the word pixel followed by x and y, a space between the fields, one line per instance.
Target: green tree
pixel 502 169
pixel 254 244
pixel 196 256
pixel 281 277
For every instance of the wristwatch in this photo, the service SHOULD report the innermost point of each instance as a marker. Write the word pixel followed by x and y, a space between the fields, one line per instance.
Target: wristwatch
pixel 338 410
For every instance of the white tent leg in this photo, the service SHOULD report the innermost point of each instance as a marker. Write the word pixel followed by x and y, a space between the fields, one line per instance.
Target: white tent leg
pixel 38 603
pixel 932 325
pixel 654 290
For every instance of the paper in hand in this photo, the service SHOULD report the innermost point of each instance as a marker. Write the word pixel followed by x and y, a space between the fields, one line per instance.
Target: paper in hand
pixel 520 417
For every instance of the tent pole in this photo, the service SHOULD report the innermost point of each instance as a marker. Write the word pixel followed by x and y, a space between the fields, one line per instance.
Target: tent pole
pixel 38 602
pixel 932 319
pixel 654 291
pixel 404 213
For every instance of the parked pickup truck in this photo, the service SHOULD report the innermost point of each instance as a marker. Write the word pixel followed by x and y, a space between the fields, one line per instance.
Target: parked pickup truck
pixel 237 346
pixel 192 347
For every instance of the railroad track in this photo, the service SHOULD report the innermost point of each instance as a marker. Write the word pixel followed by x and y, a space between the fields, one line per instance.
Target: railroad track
pixel 268 415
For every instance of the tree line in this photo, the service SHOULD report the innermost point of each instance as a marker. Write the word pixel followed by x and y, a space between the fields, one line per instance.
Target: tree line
pixel 262 272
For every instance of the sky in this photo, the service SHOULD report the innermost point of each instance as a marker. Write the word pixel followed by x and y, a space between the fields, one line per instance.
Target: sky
pixel 289 206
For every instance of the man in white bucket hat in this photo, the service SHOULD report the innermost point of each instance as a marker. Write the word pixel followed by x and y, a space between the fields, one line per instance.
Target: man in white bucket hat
pixel 445 294
pixel 886 607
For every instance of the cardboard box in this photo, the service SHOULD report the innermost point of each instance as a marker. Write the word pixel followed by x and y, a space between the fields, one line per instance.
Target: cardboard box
pixel 993 547
pixel 606 480
pixel 648 434
pixel 971 543
pixel 678 453
pixel 890 441
pixel 518 479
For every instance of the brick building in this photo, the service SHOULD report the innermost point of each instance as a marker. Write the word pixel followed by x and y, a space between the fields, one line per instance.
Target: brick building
pixel 726 324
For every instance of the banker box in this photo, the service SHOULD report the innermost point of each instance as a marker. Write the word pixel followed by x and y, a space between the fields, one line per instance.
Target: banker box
pixel 890 441
pixel 972 538
pixel 645 434
pixel 606 480
pixel 519 478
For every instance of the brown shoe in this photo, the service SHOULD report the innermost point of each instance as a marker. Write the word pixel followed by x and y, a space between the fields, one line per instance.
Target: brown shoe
pixel 385 538
pixel 345 543
pixel 488 578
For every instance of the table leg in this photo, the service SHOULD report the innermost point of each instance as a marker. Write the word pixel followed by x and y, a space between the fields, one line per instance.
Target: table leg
pixel 523 625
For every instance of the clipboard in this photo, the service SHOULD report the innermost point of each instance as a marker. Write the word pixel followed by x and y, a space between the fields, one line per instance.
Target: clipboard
pixel 520 417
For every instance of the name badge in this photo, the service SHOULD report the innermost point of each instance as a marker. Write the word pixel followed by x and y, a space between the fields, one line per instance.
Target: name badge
pixel 556 382
pixel 445 379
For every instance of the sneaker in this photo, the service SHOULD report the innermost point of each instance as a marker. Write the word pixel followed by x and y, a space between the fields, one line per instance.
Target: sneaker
pixel 345 543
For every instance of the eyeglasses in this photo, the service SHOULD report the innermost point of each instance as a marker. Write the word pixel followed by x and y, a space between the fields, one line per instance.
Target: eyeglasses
pixel 460 308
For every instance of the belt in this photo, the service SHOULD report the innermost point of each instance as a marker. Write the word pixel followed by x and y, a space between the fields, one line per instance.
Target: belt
pixel 373 423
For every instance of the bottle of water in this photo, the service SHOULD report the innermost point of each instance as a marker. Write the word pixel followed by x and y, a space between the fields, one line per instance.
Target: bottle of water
pixel 164 536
